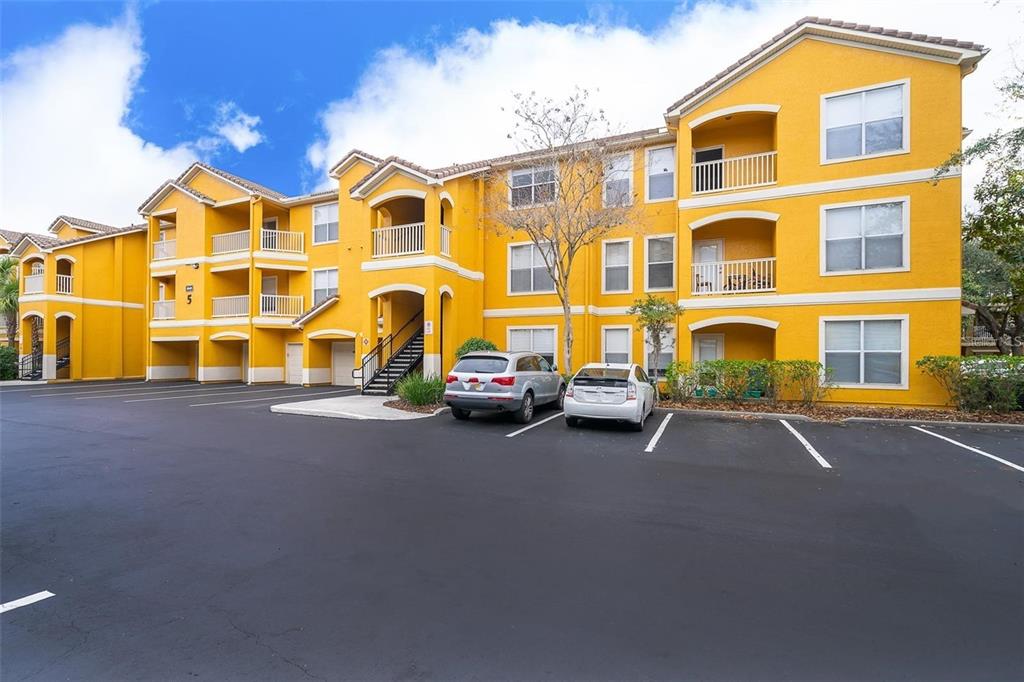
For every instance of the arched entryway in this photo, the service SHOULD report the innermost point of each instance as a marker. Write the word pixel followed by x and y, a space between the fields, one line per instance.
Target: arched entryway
pixel 446 340
pixel 63 347
pixel 31 357
pixel 733 338
pixel 396 337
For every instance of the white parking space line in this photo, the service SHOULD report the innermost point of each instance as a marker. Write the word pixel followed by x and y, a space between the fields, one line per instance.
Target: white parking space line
pixel 810 448
pixel 155 391
pixel 310 396
pixel 972 449
pixel 533 425
pixel 212 391
pixel 153 388
pixel 66 387
pixel 657 434
pixel 25 601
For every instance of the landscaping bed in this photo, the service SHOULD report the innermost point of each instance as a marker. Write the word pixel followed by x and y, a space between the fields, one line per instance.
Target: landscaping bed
pixel 402 404
pixel 836 412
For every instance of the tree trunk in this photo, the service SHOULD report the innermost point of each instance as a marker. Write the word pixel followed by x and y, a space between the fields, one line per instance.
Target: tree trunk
pixel 567 337
pixel 12 329
pixel 995 328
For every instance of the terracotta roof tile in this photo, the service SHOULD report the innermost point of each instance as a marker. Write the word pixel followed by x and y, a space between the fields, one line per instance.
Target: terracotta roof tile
pixel 253 187
pixel 82 223
pixel 11 236
pixel 109 233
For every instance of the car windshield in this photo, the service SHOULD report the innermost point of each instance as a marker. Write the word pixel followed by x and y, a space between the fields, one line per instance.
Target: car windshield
pixel 481 364
pixel 603 373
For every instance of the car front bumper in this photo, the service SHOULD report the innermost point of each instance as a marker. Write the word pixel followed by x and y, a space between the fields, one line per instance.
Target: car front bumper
pixel 625 411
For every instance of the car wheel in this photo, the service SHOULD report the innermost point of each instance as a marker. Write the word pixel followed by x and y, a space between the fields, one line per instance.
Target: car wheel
pixel 572 422
pixel 525 412
pixel 460 413
pixel 560 401
pixel 639 426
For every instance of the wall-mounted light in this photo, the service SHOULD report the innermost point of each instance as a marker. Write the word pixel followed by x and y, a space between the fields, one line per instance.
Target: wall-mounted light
pixel 195 266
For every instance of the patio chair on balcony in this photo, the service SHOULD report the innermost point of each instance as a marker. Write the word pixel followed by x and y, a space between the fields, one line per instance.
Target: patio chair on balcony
pixel 702 284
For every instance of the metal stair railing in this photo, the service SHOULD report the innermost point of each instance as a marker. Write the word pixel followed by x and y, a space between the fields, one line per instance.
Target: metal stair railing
pixel 377 358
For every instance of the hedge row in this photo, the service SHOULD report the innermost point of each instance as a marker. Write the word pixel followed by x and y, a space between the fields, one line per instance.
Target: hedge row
pixel 736 380
pixel 979 383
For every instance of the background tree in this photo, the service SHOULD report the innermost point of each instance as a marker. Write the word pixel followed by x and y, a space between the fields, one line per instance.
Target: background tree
pixel 993 230
pixel 9 297
pixel 655 315
pixel 571 189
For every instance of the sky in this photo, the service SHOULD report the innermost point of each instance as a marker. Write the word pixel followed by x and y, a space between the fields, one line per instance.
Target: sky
pixel 102 102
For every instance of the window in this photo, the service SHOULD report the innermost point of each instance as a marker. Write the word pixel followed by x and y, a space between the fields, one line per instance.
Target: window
pixel 865 352
pixel 325 223
pixel 640 375
pixel 661 173
pixel 618 181
pixel 661 263
pixel 667 355
pixel 617 266
pixel 532 186
pixel 530 363
pixel 866 237
pixel 540 340
pixel 270 223
pixel 482 364
pixel 527 271
pixel 865 123
pixel 325 284
pixel 615 344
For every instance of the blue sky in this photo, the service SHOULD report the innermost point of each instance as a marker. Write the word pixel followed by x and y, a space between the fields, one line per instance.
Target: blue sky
pixel 276 91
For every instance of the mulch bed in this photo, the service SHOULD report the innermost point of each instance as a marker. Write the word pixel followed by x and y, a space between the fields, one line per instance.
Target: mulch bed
pixel 400 404
pixel 835 413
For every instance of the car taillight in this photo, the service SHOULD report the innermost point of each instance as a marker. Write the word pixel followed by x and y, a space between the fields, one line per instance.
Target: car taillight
pixel 451 379
pixel 569 389
pixel 504 381
pixel 631 392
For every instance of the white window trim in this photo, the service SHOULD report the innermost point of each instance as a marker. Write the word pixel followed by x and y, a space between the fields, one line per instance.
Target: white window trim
pixel 904 348
pixel 312 282
pixel 719 338
pixel 822 228
pixel 532 327
pixel 629 266
pixel 905 82
pixel 508 273
pixel 675 261
pixel 629 344
pixel 629 174
pixel 312 222
pixel 647 176
pixel 533 170
pixel 672 356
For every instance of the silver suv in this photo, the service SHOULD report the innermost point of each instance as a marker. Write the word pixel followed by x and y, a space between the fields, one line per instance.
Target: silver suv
pixel 503 382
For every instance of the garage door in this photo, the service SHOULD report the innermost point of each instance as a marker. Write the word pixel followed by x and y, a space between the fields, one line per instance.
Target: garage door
pixel 293 364
pixel 343 357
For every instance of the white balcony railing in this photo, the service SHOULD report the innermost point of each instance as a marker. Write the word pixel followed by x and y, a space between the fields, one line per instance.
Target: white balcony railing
pixel 281 240
pixel 280 306
pixel 164 249
pixel 738 172
pixel 229 242
pixel 163 310
pixel 398 240
pixel 446 241
pixel 231 306
pixel 65 284
pixel 34 284
pixel 734 276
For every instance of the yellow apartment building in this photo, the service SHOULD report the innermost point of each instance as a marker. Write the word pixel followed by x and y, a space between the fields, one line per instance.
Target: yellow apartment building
pixel 789 205
pixel 8 240
pixel 81 301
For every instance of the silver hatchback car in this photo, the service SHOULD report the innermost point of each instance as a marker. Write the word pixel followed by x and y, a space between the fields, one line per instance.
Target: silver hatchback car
pixel 503 382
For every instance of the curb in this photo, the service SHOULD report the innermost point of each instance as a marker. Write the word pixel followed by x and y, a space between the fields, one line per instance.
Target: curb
pixel 729 414
pixel 931 422
pixel 340 414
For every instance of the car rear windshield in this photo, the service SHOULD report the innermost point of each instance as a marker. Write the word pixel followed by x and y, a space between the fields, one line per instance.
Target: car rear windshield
pixel 481 364
pixel 603 373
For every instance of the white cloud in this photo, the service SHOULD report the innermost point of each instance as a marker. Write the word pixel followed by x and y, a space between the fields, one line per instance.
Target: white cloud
pixel 66 146
pixel 237 127
pixel 445 105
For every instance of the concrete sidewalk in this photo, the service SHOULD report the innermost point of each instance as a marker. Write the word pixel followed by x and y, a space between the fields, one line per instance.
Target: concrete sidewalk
pixel 350 407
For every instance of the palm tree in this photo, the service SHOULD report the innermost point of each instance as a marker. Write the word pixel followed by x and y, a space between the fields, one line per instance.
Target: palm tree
pixel 9 297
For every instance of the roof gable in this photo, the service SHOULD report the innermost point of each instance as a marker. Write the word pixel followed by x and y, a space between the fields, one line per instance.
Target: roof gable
pixel 169 186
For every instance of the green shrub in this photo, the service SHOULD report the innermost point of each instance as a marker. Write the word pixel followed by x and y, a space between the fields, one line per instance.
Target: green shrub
pixel 8 363
pixel 681 381
pixel 738 380
pixel 474 343
pixel 417 390
pixel 983 383
pixel 732 378
pixel 808 379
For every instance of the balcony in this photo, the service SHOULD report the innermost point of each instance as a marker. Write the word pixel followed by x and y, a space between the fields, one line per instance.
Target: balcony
pixel 281 240
pixel 446 241
pixel 749 276
pixel 273 305
pixel 737 172
pixel 34 284
pixel 231 306
pixel 398 240
pixel 163 310
pixel 231 242
pixel 65 283
pixel 165 249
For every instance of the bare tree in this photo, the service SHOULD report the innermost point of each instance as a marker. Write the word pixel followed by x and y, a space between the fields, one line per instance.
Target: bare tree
pixel 570 185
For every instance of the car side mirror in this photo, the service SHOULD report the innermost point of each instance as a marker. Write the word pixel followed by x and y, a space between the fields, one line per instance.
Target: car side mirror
pixel 554 368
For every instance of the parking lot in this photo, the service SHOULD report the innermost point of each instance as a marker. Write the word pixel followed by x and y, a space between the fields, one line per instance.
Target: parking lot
pixel 185 531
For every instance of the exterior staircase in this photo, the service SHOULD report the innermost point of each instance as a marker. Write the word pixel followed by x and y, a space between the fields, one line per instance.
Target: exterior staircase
pixel 63 353
pixel 408 358
pixel 31 367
